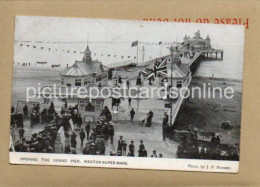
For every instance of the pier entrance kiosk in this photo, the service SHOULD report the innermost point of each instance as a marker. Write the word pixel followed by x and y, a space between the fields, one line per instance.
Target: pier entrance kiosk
pixel 90 110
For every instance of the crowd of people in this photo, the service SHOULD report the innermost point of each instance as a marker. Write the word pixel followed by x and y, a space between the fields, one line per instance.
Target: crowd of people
pixel 122 149
pixel 41 142
pixel 93 140
pixel 118 81
pixel 102 131
pixel 213 150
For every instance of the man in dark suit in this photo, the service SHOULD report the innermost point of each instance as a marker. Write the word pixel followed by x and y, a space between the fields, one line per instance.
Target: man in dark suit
pixel 120 144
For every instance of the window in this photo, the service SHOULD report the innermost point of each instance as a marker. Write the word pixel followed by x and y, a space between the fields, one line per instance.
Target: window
pixel 179 84
pixel 86 81
pixel 99 78
pixel 81 102
pixel 77 82
pixel 62 81
pixel 164 81
pixel 69 85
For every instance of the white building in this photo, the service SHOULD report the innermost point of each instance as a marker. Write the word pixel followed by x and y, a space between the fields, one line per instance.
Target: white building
pixel 84 73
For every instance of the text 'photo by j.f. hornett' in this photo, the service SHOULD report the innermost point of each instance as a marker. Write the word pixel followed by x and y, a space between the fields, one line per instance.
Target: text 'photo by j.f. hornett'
pixel 126 94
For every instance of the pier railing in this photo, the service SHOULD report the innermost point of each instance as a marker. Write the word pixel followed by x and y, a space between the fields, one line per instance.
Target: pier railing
pixel 179 102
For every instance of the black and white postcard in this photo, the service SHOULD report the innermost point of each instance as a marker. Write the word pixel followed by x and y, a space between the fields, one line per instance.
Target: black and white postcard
pixel 126 94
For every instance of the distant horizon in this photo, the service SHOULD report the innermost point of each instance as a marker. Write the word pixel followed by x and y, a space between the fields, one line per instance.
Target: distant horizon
pixel 122 32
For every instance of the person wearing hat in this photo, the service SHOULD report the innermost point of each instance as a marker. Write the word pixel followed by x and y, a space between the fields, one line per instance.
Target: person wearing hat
pixel 73 140
pixel 111 133
pixel 21 133
pixel 111 153
pixel 127 82
pixel 79 121
pixel 25 111
pixel 164 126
pixel 132 148
pixel 73 151
pixel 87 129
pixel 166 117
pixel 154 155
pixel 82 136
pixel 120 79
pixel 149 119
pixel 20 120
pixel 151 115
pixel 202 153
pixel 141 150
pixel 129 101
pixel 32 119
pixel 218 140
pixel 119 153
pixel 124 146
pixel 132 114
pixel 44 115
pixel 120 144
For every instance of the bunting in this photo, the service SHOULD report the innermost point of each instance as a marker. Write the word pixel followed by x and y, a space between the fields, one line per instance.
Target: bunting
pixel 133 44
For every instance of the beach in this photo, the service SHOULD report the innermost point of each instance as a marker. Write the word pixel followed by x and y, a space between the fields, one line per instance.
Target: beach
pixel 206 114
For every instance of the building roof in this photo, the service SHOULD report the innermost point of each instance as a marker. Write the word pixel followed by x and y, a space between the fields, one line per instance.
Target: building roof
pixel 80 68
pixel 85 67
pixel 178 71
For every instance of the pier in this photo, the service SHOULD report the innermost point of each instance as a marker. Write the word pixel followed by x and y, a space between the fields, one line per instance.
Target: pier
pixel 213 54
pixel 193 64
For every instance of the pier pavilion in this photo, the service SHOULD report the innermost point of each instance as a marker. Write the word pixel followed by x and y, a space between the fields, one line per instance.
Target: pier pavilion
pixel 85 72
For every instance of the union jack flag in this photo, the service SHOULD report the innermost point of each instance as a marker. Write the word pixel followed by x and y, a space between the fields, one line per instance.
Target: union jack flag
pixel 160 68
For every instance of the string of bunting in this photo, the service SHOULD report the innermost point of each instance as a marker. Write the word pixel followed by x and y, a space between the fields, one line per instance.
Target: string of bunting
pixel 25 43
pixel 99 42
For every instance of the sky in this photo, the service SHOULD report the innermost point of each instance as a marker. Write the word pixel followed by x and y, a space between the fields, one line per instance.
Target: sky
pixel 120 32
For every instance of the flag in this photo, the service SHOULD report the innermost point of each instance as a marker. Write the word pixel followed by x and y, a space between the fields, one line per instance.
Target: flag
pixel 160 43
pixel 135 43
pixel 159 68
